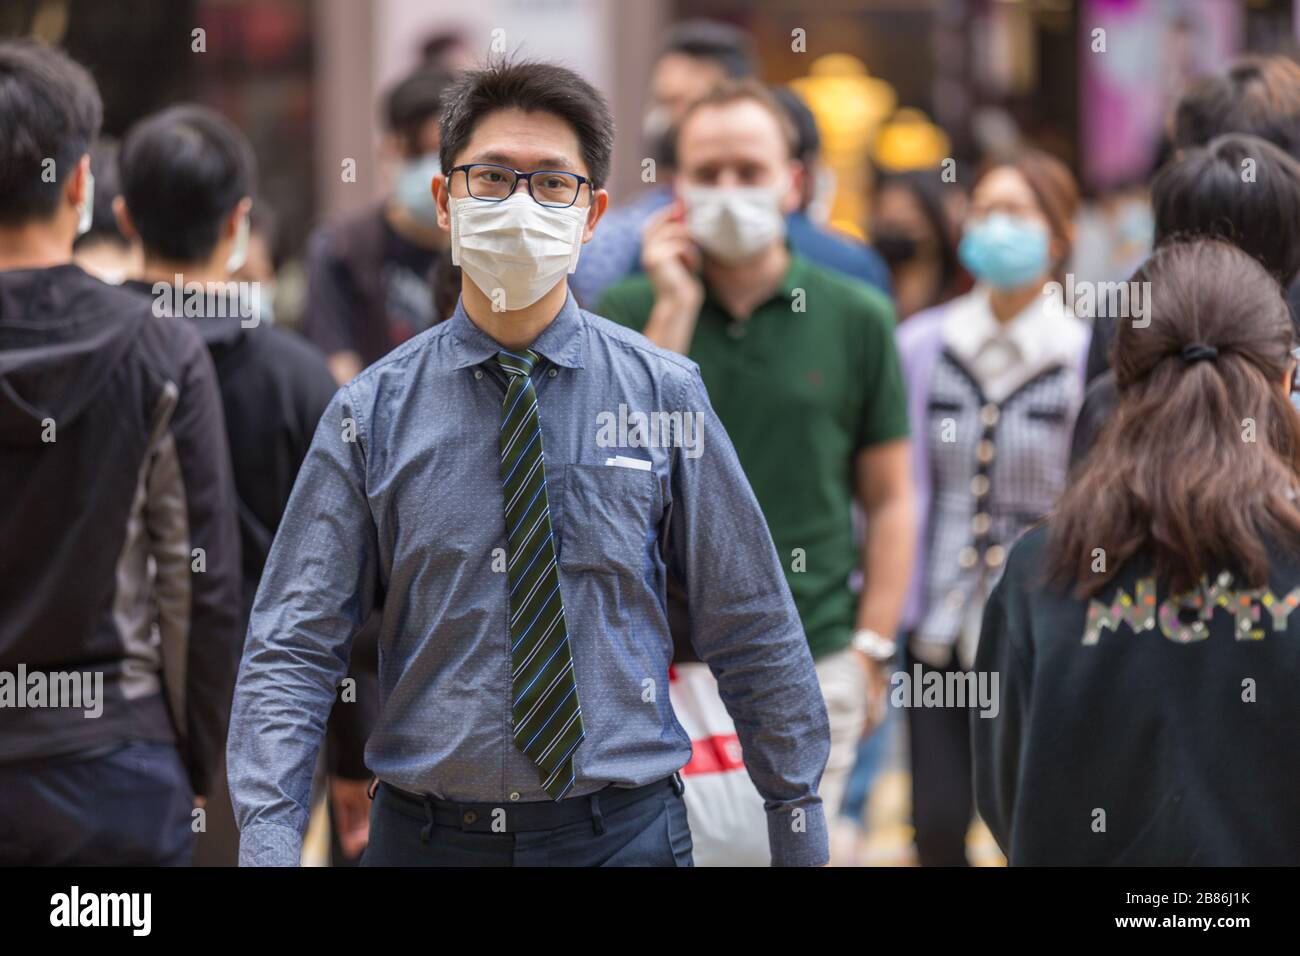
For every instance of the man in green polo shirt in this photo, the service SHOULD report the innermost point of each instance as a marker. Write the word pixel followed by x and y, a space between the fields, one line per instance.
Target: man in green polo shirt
pixel 801 367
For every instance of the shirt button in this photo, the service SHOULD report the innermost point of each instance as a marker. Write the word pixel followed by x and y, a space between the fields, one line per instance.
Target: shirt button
pixel 980 524
pixel 984 452
pixel 989 415
pixel 995 555
pixel 514 795
pixel 553 372
pixel 979 486
pixel 478 373
pixel 470 816
pixel 967 557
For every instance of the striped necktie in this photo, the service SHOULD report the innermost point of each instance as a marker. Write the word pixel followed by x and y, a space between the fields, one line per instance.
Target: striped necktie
pixel 547 715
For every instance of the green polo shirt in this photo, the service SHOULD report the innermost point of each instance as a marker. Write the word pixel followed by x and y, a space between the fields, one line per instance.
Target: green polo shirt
pixel 809 380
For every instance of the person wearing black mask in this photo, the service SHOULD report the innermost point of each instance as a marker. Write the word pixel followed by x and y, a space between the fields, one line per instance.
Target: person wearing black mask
pixel 912 231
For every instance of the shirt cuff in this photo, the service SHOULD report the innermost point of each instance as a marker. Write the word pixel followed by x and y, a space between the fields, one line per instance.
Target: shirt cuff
pixel 269 844
pixel 796 834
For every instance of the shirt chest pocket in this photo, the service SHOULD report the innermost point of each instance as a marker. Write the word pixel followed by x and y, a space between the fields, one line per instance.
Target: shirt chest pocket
pixel 607 519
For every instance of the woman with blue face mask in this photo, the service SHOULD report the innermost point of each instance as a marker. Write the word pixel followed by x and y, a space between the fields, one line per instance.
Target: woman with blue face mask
pixel 994 380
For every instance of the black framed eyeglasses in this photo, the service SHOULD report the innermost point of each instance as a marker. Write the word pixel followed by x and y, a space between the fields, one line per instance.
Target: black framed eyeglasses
pixel 548 187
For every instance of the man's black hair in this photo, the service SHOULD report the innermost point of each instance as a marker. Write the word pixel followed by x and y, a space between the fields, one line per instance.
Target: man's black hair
pixel 721 43
pixel 183 170
pixel 50 111
pixel 415 100
pixel 534 88
pixel 1203 194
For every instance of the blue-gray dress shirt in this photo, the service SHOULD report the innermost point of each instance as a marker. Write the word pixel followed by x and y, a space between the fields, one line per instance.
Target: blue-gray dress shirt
pixel 399 502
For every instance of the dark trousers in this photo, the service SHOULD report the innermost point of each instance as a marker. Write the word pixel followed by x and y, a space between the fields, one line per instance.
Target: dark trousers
pixel 129 807
pixel 645 827
pixel 943 797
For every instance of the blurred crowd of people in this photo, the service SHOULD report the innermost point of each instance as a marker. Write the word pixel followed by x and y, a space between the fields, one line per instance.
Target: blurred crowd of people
pixel 962 472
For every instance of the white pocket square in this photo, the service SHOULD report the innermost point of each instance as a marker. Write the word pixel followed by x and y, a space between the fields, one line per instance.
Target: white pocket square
pixel 622 461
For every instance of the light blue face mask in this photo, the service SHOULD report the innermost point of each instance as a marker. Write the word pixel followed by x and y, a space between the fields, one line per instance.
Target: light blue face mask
pixel 413 192
pixel 1007 252
pixel 1135 224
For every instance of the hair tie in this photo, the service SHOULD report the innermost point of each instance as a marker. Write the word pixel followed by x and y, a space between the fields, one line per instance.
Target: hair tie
pixel 1197 352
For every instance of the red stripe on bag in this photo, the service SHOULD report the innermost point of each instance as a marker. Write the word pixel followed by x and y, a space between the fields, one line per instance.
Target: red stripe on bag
pixel 717 754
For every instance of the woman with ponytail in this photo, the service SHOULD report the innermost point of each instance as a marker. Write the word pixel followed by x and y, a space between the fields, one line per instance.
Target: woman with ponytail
pixel 1143 639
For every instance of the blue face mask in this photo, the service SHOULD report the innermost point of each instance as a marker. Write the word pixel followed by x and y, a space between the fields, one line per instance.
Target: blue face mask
pixel 412 190
pixel 1007 252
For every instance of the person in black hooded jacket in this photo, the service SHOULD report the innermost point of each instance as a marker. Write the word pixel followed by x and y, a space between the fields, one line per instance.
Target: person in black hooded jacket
pixel 119 562
pixel 1144 641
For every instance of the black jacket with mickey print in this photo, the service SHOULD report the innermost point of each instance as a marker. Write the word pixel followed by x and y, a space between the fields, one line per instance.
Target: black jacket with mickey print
pixel 1164 734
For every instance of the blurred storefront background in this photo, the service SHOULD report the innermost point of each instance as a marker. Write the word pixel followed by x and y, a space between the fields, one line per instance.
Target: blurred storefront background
pixel 893 83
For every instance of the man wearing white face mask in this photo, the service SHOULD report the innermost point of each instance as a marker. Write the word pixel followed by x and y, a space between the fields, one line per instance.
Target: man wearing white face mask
pixel 521 550
pixel 802 367
pixel 694 56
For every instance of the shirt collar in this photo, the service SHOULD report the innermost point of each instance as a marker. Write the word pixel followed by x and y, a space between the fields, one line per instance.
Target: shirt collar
pixel 1034 332
pixel 795 278
pixel 563 342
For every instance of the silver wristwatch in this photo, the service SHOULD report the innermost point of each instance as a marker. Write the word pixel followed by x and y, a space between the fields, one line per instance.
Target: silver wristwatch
pixel 873 645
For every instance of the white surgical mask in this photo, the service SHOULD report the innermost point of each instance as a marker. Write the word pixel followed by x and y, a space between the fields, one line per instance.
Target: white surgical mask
pixel 516 245
pixel 733 223
pixel 86 212
pixel 239 251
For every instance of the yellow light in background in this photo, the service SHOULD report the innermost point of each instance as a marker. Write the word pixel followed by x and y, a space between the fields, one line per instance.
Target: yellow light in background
pixel 910 141
pixel 849 104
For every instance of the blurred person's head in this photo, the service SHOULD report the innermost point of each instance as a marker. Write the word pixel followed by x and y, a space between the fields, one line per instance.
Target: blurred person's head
pixel 737 175
pixel 261 265
pixel 446 50
pixel 412 111
pixel 517 238
pixel 1019 226
pixel 188 177
pixel 50 114
pixel 1204 193
pixel 818 182
pixel 263 259
pixel 1171 474
pixel 1256 95
pixel 104 250
pixel 695 56
pixel 912 231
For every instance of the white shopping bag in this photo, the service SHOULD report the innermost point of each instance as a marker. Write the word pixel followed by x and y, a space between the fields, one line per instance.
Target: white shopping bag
pixel 728 823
